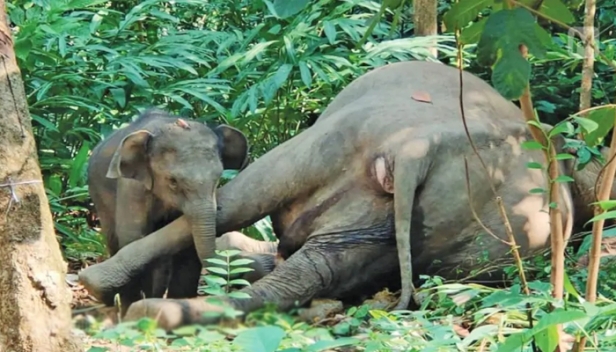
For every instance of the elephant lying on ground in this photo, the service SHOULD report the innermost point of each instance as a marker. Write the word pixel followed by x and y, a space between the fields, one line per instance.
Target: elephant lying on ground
pixel 152 171
pixel 332 195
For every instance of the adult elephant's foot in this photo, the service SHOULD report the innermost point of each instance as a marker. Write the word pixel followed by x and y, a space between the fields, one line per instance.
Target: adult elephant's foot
pixel 173 313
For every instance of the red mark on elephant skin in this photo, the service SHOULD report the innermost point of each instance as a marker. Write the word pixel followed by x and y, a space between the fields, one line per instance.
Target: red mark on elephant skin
pixel 423 97
pixel 182 124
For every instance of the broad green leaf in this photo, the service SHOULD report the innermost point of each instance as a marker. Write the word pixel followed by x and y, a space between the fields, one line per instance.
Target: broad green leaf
pixel 534 165
pixel 555 9
pixel 537 191
pixel 472 33
pixel 330 31
pixel 78 165
pixel 604 118
pixel 511 74
pixel 463 12
pixel 564 126
pixel 305 73
pixel 286 8
pixel 547 339
pixel 260 339
pixel 119 96
pixel 499 44
pixel 586 124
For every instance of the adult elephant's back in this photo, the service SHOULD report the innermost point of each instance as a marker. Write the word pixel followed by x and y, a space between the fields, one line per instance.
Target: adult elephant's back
pixel 413 79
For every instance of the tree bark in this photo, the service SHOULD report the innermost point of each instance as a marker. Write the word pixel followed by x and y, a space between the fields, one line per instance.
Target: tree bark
pixel 424 20
pixel 589 54
pixel 34 299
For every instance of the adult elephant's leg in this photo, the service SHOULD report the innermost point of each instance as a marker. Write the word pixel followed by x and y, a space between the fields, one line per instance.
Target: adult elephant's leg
pixel 326 266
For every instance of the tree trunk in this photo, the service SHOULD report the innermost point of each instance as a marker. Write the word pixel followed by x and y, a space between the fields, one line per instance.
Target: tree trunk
pixel 424 20
pixel 34 299
pixel 589 54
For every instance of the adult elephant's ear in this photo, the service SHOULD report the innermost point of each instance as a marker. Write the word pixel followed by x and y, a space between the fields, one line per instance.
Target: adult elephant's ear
pixel 234 147
pixel 130 158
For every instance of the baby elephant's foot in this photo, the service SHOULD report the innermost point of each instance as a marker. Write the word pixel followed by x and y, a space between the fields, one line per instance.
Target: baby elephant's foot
pixel 173 313
pixel 100 282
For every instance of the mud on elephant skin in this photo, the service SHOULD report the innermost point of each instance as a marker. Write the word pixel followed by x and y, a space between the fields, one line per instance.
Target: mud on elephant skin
pixel 377 173
pixel 152 171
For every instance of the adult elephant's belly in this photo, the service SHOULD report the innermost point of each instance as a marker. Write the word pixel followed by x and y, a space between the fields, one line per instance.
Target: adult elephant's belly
pixel 343 212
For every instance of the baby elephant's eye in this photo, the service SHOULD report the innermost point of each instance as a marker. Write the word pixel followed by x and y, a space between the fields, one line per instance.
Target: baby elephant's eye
pixel 173 183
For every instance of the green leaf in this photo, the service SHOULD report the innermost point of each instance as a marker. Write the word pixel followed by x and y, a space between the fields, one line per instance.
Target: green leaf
pixel 606 204
pixel 463 12
pixel 499 44
pixel 242 261
pixel 564 178
pixel 534 165
pixel 240 270
pixel 604 117
pixel 239 282
pixel 564 156
pixel 564 126
pixel 238 294
pixel 511 74
pixel 603 216
pixel 537 191
pixel 215 280
pixel 285 8
pixel 323 345
pixel 547 339
pixel 305 73
pixel 260 339
pixel 586 124
pixel 78 165
pixel 217 270
pixel 472 33
pixel 532 145
pixel 555 9
pixel 217 261
pixel 97 349
pixel 119 96
pixel 330 31
pixel 514 342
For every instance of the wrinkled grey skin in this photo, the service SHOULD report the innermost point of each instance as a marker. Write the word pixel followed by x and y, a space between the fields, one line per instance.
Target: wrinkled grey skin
pixel 145 175
pixel 340 192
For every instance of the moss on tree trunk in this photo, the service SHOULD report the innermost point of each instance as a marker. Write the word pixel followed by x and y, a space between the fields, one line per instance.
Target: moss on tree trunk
pixel 34 299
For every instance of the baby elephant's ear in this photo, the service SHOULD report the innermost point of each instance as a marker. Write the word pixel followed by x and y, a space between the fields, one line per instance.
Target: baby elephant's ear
pixel 130 158
pixel 234 147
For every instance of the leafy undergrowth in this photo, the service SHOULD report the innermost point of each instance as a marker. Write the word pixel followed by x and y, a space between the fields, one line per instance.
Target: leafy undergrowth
pixel 453 317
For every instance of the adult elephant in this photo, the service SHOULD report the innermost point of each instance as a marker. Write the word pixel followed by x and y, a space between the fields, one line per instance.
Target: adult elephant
pixel 392 137
pixel 149 173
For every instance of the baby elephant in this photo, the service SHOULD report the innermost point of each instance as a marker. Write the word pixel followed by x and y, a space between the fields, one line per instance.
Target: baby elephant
pixel 147 174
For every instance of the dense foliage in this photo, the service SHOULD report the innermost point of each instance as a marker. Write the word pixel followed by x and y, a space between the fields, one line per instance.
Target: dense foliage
pixel 268 68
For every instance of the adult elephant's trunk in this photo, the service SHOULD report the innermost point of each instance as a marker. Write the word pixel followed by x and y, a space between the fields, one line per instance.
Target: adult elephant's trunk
pixel 202 217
